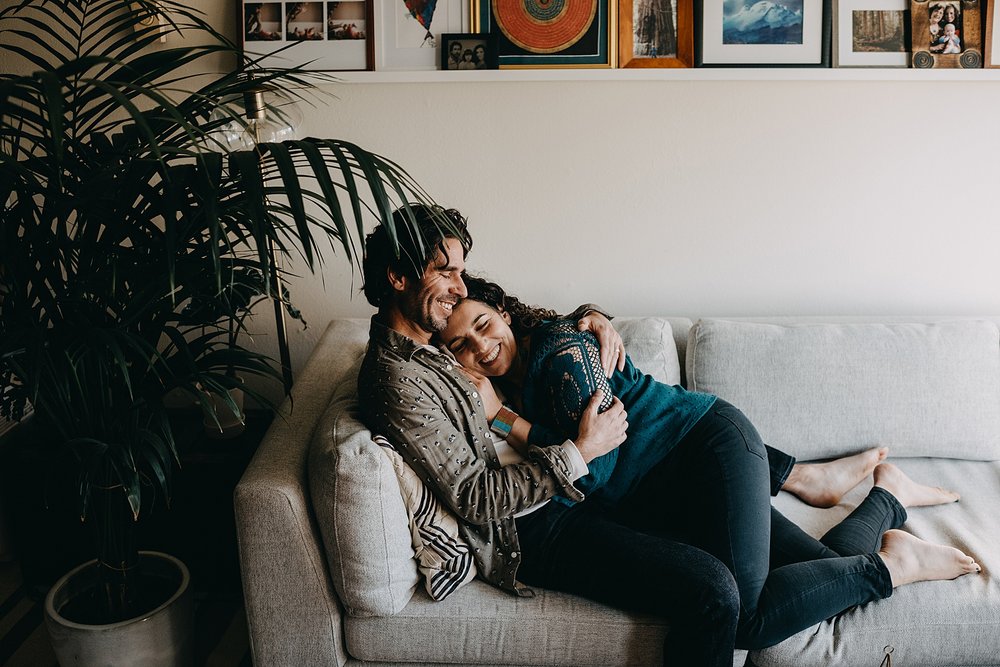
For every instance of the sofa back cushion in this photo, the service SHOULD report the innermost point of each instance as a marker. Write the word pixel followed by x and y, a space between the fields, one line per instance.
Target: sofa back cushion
pixel 649 341
pixel 823 390
pixel 360 511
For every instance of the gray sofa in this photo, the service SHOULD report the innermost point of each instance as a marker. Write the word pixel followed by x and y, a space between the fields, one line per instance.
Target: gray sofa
pixel 328 569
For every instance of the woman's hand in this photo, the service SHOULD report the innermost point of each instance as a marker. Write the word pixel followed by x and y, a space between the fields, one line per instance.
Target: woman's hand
pixel 487 393
pixel 609 340
pixel 601 432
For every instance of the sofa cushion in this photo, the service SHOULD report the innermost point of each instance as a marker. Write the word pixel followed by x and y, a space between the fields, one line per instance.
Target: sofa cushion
pixel 481 624
pixel 929 624
pixel 823 390
pixel 360 511
pixel 649 341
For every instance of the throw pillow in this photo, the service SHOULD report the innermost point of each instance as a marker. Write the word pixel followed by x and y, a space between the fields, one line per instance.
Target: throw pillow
pixel 443 557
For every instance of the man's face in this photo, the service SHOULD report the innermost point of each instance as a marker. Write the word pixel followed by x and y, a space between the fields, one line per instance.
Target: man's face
pixel 456 50
pixel 428 302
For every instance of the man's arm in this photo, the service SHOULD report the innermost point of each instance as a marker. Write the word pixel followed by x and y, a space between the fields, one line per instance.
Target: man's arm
pixel 454 462
pixel 592 318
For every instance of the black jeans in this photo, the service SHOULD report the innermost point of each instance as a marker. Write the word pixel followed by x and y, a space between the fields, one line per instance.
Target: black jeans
pixel 716 486
pixel 586 550
pixel 698 544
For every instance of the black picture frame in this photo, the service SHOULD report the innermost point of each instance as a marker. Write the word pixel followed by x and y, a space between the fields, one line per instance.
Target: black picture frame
pixel 468 43
pixel 825 38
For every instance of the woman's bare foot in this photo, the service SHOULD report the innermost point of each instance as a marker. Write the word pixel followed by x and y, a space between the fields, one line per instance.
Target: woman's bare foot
pixel 908 492
pixel 911 559
pixel 824 484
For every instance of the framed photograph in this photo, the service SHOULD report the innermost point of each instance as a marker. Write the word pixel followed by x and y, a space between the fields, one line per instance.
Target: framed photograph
pixel 871 33
pixel 408 34
pixel 543 33
pixel 322 35
pixel 946 33
pixel 655 33
pixel 992 36
pixel 469 51
pixel 763 33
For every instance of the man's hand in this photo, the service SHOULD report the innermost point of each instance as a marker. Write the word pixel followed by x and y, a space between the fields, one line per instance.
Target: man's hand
pixel 601 432
pixel 612 348
pixel 487 393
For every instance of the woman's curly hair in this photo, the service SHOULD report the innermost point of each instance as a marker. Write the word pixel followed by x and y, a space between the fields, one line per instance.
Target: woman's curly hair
pixel 523 317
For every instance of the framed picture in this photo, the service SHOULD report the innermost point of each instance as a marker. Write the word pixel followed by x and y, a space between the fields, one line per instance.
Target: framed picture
pixel 655 33
pixel 543 33
pixel 763 33
pixel 322 35
pixel 469 51
pixel 871 33
pixel 992 36
pixel 408 34
pixel 946 33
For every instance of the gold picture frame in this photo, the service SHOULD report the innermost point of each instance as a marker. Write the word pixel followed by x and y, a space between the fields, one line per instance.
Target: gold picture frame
pixel 633 53
pixel 594 47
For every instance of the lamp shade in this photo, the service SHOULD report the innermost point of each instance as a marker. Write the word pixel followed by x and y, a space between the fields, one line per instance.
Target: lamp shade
pixel 266 117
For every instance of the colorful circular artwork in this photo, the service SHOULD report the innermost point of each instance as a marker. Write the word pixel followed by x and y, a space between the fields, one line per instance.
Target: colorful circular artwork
pixel 544 26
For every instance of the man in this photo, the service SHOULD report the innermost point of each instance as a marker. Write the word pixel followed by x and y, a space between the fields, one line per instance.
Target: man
pixel 454 55
pixel 417 396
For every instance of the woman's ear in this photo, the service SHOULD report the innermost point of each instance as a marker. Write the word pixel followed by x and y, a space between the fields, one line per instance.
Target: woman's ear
pixel 505 315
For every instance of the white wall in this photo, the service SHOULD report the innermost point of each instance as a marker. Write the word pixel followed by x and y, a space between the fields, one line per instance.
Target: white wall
pixel 697 198
pixel 693 198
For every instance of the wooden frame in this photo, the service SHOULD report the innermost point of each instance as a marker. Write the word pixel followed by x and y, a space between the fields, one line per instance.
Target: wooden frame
pixel 403 43
pixel 714 47
pixel 879 47
pixel 928 34
pixel 592 46
pixel 320 35
pixel 992 45
pixel 468 43
pixel 631 54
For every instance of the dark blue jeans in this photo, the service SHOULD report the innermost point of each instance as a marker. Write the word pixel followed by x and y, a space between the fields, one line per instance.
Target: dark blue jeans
pixel 698 544
pixel 586 550
pixel 712 491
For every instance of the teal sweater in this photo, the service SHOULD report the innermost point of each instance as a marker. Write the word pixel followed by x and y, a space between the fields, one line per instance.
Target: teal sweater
pixel 564 371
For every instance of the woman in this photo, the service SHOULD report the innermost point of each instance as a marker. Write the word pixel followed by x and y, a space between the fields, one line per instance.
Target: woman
pixel 693 472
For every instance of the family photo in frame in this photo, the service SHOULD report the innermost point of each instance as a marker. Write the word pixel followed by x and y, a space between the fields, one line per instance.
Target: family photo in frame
pixel 946 33
pixel 468 51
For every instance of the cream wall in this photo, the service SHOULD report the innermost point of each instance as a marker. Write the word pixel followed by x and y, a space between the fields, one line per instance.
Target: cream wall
pixel 699 197
pixel 691 197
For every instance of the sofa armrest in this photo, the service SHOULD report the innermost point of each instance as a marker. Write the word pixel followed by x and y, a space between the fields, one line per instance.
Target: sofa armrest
pixel 293 615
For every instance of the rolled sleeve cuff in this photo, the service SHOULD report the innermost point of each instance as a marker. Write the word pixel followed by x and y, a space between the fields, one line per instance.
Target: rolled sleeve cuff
pixel 578 467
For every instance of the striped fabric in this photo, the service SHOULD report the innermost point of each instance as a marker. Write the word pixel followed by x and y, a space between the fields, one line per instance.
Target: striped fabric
pixel 443 557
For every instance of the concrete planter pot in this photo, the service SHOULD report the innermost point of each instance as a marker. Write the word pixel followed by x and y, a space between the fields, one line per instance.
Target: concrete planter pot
pixel 163 637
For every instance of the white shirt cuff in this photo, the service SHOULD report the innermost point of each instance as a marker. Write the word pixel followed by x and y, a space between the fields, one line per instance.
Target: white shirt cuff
pixel 579 466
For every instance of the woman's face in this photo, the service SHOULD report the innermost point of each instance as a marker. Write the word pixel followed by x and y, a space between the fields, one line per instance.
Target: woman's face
pixel 480 53
pixel 937 13
pixel 480 338
pixel 950 13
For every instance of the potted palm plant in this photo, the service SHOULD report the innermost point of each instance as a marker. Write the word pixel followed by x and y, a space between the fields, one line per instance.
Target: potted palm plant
pixel 120 207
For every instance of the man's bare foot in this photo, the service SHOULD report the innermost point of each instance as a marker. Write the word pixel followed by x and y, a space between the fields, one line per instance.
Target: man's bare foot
pixel 824 484
pixel 909 559
pixel 908 492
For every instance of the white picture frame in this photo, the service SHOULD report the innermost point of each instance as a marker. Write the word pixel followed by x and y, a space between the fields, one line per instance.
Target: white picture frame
pixel 319 44
pixel 845 52
pixel 400 39
pixel 813 51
